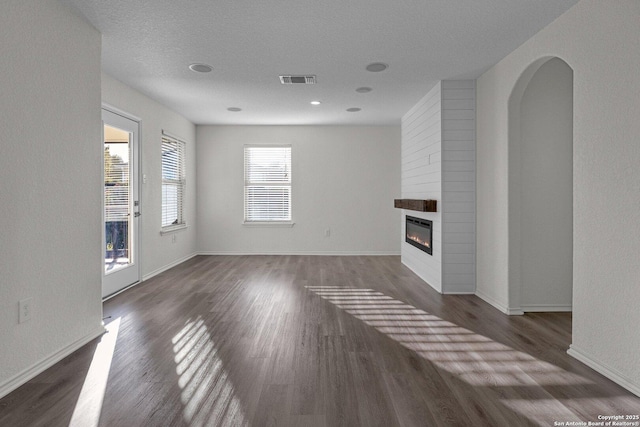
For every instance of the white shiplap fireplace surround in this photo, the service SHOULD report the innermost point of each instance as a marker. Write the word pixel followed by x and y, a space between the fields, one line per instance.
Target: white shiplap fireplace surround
pixel 438 162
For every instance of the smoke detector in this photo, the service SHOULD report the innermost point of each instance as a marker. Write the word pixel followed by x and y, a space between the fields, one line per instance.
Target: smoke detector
pixel 291 80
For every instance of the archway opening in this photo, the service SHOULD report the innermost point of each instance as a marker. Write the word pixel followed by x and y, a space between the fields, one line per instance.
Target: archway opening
pixel 541 188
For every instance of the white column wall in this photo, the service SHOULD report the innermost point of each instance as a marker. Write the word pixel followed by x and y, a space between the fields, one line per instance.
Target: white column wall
pixel 422 179
pixel 438 162
pixel 459 186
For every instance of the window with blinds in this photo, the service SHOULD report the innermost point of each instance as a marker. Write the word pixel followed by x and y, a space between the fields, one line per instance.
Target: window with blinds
pixel 267 183
pixel 173 181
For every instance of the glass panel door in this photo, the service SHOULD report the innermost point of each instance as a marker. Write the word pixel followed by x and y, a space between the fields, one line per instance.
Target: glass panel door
pixel 117 198
pixel 121 267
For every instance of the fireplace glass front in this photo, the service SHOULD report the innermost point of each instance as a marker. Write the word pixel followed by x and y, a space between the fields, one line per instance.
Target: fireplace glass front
pixel 418 233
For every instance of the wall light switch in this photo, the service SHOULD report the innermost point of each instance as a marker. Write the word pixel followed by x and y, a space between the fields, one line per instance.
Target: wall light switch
pixel 24 307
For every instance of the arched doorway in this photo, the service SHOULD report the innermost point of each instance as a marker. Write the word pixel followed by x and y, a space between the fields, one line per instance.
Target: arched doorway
pixel 541 188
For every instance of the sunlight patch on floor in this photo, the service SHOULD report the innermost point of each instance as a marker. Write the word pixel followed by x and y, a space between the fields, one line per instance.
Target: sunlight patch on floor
pixel 475 359
pixel 207 392
pixel 89 406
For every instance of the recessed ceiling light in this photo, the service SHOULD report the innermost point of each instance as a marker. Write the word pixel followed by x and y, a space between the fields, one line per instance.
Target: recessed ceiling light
pixel 353 109
pixel 364 89
pixel 316 102
pixel 234 109
pixel 201 68
pixel 377 67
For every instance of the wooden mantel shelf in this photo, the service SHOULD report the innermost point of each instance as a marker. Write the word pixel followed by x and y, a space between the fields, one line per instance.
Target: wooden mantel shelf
pixel 416 205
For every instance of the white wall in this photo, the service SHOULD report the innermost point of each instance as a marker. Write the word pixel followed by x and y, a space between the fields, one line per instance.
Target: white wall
pixel 50 197
pixel 344 179
pixel 606 177
pixel 422 179
pixel 546 190
pixel 158 252
pixel 458 186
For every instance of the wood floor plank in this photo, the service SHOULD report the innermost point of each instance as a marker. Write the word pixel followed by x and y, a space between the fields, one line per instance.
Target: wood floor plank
pixel 319 341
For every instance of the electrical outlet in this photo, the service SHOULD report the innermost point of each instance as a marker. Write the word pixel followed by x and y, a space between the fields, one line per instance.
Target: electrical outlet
pixel 173 238
pixel 24 308
pixel 327 232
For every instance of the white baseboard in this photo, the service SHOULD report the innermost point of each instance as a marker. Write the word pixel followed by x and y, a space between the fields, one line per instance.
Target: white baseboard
pixel 458 293
pixel 610 373
pixel 168 266
pixel 519 311
pixel 22 377
pixel 312 253
pixel 511 311
pixel 546 308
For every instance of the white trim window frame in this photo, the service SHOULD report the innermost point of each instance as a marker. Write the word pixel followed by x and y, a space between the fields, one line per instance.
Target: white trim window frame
pixel 174 183
pixel 267 185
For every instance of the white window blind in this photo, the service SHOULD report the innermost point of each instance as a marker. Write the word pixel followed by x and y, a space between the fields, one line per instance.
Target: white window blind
pixel 116 182
pixel 267 183
pixel 173 181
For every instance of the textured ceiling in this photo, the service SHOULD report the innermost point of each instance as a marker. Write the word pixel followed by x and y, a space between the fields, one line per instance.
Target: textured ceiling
pixel 149 44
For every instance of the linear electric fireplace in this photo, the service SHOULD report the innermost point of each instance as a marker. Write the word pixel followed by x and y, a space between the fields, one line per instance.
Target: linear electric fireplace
pixel 418 233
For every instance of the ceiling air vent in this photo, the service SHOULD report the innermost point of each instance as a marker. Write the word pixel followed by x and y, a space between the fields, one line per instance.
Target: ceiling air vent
pixel 305 80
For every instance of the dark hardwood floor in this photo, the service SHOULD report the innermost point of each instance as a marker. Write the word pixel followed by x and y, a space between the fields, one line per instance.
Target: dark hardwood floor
pixel 314 341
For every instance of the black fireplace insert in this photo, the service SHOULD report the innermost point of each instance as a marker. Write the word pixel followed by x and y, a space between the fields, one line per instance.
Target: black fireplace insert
pixel 418 233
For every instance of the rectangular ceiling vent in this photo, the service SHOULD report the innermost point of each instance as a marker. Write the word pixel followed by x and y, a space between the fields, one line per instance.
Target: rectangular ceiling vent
pixel 305 80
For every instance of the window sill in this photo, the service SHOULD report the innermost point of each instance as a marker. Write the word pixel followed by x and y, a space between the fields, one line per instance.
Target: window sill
pixel 277 224
pixel 172 228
